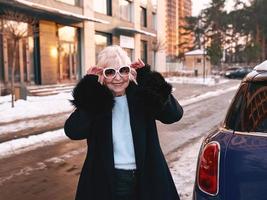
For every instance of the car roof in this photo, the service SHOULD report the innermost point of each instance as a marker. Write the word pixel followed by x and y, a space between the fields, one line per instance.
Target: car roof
pixel 259 73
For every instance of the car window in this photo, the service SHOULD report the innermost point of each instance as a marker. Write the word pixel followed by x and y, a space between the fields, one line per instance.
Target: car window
pixel 255 115
pixel 248 112
pixel 233 115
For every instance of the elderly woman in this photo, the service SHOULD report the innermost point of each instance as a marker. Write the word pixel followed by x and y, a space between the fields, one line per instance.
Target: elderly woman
pixel 117 104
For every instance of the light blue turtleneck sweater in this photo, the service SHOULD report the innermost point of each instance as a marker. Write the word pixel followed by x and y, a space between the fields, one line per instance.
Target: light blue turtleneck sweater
pixel 124 156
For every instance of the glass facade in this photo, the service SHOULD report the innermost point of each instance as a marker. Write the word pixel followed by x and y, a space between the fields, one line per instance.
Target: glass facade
pixel 125 10
pixel 68 53
pixel 102 40
pixel 24 49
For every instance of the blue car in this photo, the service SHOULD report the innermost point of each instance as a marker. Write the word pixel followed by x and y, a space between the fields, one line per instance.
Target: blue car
pixel 232 162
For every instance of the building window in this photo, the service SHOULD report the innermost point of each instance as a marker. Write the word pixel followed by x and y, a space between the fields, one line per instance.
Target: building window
pixel 130 53
pixel 143 2
pixel 103 6
pixel 127 43
pixel 102 40
pixel 143 17
pixel 154 3
pixel 68 53
pixel 125 10
pixel 71 2
pixel 154 20
pixel 153 65
pixel 144 51
pixel 24 68
pixel 199 60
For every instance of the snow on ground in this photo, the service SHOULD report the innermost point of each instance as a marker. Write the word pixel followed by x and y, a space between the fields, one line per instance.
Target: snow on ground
pixel 34 106
pixel 21 145
pixel 183 170
pixel 207 95
pixel 209 81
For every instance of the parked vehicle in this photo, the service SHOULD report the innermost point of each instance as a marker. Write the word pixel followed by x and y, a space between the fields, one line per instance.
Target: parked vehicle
pixel 229 69
pixel 232 162
pixel 237 73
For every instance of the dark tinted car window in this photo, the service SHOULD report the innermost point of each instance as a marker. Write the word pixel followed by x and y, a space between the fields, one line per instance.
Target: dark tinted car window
pixel 236 107
pixel 248 113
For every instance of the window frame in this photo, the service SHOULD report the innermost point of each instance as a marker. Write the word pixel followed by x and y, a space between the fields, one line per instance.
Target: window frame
pixel 144 56
pixel 143 16
pixel 108 10
pixel 130 9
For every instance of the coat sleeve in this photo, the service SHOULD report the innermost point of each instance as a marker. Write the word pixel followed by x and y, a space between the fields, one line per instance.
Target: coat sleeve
pixel 87 94
pixel 77 126
pixel 171 112
pixel 156 95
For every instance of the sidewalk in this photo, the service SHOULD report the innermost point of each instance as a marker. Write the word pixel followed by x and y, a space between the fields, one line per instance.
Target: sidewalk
pixel 23 126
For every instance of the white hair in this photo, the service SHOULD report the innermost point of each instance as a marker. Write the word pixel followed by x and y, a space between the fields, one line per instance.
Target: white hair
pixel 113 56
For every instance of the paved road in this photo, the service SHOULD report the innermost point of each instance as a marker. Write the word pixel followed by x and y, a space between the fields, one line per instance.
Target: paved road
pixel 52 172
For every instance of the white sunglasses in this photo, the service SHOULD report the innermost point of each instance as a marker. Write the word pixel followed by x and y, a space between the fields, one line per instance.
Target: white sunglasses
pixel 111 72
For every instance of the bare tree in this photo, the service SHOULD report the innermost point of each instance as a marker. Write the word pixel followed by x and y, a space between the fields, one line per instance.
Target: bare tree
pixel 159 45
pixel 15 28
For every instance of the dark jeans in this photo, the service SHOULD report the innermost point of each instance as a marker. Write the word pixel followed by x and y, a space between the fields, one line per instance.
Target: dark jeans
pixel 125 184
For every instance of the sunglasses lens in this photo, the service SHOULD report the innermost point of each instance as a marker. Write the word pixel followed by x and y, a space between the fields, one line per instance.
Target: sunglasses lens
pixel 124 70
pixel 109 73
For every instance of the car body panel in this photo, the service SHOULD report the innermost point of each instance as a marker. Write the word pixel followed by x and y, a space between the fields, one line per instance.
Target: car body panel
pixel 222 136
pixel 246 167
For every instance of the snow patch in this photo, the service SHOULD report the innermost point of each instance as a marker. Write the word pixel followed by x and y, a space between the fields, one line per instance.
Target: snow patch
pixel 21 145
pixel 34 106
pixel 184 169
pixel 209 81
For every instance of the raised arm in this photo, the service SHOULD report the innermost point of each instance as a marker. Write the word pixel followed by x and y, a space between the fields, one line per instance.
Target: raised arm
pixel 77 126
pixel 171 112
pixel 87 98
pixel 156 94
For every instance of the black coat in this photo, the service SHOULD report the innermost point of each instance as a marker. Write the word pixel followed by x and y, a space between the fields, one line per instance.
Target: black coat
pixel 92 120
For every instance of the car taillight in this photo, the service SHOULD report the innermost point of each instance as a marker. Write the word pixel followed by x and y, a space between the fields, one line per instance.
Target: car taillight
pixel 208 168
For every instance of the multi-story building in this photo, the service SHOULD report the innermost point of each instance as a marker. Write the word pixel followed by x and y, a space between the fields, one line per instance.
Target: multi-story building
pixel 172 30
pixel 184 40
pixel 176 41
pixel 72 32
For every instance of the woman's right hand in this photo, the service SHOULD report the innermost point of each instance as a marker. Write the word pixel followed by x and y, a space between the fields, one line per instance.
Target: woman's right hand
pixel 97 71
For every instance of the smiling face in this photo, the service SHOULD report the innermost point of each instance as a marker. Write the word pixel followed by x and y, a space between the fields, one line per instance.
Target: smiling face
pixel 117 83
pixel 114 61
